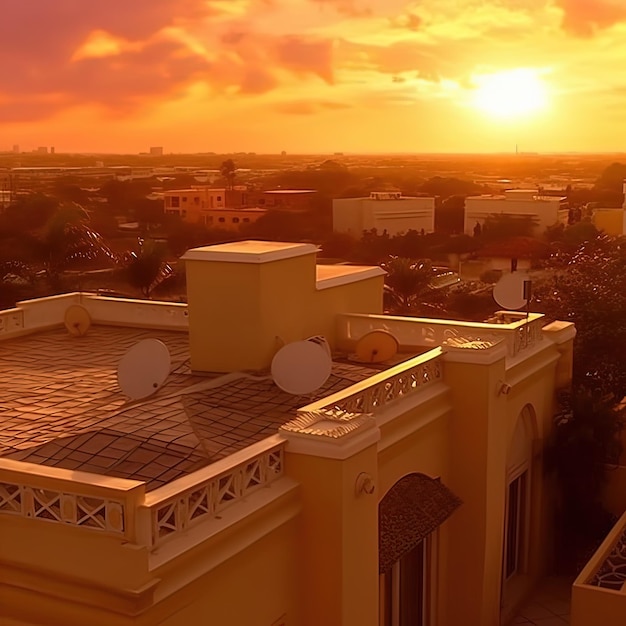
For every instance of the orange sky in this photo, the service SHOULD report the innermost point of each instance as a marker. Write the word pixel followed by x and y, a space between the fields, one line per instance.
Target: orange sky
pixel 309 75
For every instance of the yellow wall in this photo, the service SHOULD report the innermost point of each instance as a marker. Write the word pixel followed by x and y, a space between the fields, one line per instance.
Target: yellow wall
pixel 338 540
pixel 241 313
pixel 256 587
pixel 223 218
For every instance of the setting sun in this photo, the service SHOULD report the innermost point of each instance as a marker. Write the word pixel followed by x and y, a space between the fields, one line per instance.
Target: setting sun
pixel 510 94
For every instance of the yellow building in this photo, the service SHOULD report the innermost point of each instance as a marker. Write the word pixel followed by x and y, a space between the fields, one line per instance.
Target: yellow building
pixel 611 221
pixel 217 208
pixel 406 491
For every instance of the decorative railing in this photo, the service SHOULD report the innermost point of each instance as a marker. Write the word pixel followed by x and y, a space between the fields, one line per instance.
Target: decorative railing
pixel 606 569
pixel 174 510
pixel 378 391
pixel 11 321
pixel 32 315
pixel 95 513
pixel 612 572
pixel 520 333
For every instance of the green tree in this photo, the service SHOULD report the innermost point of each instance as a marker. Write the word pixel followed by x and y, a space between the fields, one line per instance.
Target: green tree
pixel 504 226
pixel 147 268
pixel 585 439
pixel 228 170
pixel 70 244
pixel 406 283
pixel 588 287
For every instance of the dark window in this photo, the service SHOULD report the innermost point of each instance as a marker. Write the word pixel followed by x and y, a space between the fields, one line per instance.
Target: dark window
pixel 246 219
pixel 175 200
pixel 404 590
pixel 515 526
pixel 235 220
pixel 221 219
pixel 219 198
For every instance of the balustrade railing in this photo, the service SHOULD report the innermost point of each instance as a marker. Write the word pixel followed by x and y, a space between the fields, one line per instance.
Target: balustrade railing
pixel 519 333
pixel 96 513
pixel 172 513
pixel 376 392
pixel 11 321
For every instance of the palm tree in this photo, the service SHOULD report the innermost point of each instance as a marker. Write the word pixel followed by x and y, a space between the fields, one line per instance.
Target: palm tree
pixel 70 244
pixel 228 170
pixel 148 268
pixel 406 282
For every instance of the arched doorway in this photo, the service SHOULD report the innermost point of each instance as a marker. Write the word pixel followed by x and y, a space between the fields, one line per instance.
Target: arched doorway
pixel 408 518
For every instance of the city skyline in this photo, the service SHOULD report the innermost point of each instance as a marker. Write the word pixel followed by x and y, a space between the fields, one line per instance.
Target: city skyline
pixel 314 76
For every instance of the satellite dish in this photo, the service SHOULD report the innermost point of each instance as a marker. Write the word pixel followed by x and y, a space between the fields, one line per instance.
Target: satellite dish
pixel 301 367
pixel 143 369
pixel 321 341
pixel 512 290
pixel 376 346
pixel 77 320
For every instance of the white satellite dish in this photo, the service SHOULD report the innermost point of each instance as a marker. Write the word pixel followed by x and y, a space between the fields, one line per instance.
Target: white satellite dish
pixel 301 367
pixel 77 320
pixel 321 341
pixel 144 368
pixel 511 291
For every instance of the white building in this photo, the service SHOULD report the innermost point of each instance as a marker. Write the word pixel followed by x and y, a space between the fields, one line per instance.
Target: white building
pixel 384 210
pixel 518 203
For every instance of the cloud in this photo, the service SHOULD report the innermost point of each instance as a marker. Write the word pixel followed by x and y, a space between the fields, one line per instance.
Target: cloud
pixel 350 8
pixel 309 107
pixel 305 55
pixel 584 17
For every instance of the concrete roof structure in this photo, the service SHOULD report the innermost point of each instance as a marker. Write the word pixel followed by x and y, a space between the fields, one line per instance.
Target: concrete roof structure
pixel 62 407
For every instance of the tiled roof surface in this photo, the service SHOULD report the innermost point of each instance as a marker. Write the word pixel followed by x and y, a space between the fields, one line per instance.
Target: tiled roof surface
pixel 60 405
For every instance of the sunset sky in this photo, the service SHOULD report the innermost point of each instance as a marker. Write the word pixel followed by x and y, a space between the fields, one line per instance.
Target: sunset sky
pixel 313 75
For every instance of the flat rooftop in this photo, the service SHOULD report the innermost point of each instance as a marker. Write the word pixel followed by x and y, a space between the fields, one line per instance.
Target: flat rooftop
pixel 61 406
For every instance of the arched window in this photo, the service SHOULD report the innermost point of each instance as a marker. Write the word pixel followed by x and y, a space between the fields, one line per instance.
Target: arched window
pixel 408 518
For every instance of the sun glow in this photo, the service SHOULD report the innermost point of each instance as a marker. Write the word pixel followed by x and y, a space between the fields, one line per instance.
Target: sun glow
pixel 510 94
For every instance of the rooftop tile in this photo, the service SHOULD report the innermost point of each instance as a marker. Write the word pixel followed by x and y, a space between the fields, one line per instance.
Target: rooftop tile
pixel 61 406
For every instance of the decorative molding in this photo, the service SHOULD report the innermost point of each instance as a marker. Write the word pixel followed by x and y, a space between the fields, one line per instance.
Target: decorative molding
pixel 331 423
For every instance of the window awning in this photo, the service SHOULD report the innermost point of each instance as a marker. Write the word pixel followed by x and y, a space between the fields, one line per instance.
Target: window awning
pixel 412 509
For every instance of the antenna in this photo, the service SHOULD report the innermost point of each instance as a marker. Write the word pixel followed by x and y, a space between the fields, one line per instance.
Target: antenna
pixel 376 346
pixel 143 368
pixel 512 291
pixel 301 367
pixel 77 320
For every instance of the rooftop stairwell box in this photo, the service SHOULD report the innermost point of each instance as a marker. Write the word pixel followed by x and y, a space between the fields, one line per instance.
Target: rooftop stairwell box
pixel 247 298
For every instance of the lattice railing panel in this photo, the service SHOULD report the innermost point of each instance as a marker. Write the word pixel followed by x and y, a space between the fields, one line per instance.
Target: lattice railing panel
pixel 66 508
pixel 379 395
pixel 204 501
pixel 612 572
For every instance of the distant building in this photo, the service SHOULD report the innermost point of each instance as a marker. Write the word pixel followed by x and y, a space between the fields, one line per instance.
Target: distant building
pixel 292 200
pixel 219 208
pixel 16 148
pixel 611 221
pixel 42 150
pixel 52 149
pixel 543 210
pixel 156 151
pixel 384 210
